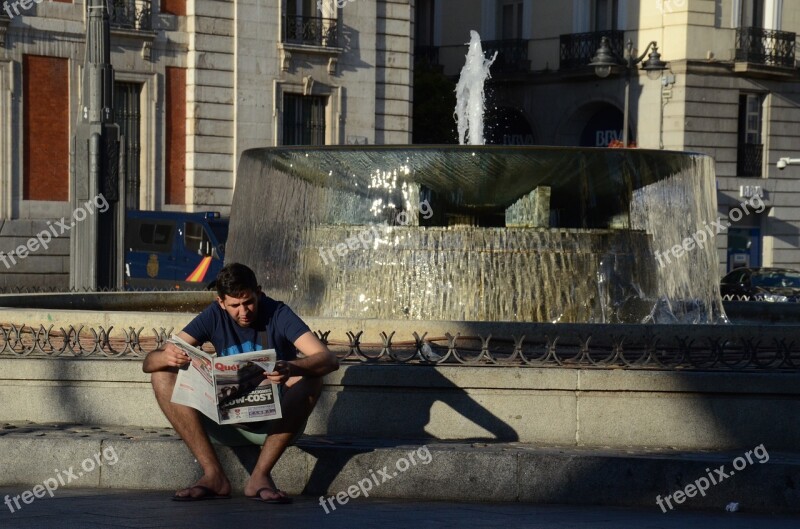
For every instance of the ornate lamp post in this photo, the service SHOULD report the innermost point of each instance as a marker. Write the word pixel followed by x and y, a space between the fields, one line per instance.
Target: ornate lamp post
pixel 97 253
pixel 605 61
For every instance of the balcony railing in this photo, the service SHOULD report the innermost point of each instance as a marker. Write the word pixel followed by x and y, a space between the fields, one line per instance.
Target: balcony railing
pixel 748 159
pixel 766 46
pixel 313 31
pixel 428 55
pixel 577 49
pixel 130 14
pixel 512 55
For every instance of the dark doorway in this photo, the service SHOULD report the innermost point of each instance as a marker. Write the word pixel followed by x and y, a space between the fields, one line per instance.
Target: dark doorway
pixel 128 116
pixel 303 120
pixel 604 128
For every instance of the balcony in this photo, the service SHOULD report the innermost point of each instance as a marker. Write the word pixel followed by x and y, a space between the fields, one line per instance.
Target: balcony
pixel 311 31
pixel 748 159
pixel 765 47
pixel 512 55
pixel 577 49
pixel 130 14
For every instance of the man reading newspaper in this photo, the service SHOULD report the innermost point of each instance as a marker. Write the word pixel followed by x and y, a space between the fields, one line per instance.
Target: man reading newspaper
pixel 240 319
pixel 229 389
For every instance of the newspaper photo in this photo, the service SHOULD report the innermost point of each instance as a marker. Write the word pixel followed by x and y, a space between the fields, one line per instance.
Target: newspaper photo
pixel 229 389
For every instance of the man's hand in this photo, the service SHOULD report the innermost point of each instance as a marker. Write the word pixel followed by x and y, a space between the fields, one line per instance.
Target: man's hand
pixel 282 372
pixel 317 361
pixel 168 357
pixel 174 356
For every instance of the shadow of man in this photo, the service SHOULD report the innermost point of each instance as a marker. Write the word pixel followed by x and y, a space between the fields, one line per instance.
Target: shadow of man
pixel 389 406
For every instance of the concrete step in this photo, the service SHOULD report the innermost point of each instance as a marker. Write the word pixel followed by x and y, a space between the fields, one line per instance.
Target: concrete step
pixel 44 457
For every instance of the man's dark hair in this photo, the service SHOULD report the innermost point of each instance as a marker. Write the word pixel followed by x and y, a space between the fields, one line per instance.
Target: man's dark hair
pixel 234 279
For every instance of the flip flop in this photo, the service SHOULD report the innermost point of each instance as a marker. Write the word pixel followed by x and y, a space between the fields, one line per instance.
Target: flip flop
pixel 280 500
pixel 207 494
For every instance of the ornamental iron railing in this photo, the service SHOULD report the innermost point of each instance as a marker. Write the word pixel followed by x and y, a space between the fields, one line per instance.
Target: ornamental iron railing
pixel 679 347
pixel 749 159
pixel 766 46
pixel 512 55
pixel 130 14
pixel 577 49
pixel 312 31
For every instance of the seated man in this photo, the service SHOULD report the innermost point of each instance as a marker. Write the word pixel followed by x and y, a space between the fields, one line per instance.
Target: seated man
pixel 240 320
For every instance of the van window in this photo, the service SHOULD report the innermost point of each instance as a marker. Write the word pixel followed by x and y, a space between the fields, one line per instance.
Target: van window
pixel 151 236
pixel 220 230
pixel 196 239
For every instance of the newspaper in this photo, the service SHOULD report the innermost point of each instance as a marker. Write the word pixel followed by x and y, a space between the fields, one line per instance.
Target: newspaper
pixel 228 389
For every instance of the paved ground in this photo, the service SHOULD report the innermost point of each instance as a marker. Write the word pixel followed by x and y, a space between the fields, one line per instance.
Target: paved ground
pixel 90 509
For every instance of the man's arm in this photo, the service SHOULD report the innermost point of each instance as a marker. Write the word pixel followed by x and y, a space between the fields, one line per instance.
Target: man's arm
pixel 318 361
pixel 168 357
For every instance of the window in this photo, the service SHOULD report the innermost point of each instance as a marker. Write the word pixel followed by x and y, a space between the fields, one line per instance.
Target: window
pixel 149 236
pixel 752 13
pixel 425 38
pixel 129 117
pixel 605 15
pixel 511 19
pixel 750 152
pixel 303 120
pixel 301 8
pixel 196 239
pixel 425 16
pixel 132 14
pixel 305 23
pixel 220 231
pixel 758 13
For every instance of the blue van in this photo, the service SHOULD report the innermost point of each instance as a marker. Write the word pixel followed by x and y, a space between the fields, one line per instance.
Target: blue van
pixel 173 250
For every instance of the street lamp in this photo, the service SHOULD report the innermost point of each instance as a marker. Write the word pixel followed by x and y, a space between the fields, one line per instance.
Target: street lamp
pixel 605 61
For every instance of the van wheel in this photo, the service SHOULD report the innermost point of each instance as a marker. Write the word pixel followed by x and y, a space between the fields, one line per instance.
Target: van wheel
pixel 211 286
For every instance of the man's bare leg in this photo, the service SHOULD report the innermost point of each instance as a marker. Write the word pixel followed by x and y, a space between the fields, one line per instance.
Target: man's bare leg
pixel 186 422
pixel 297 404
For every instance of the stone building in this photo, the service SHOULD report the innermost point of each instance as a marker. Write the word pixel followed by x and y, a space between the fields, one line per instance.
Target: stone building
pixel 197 83
pixel 732 90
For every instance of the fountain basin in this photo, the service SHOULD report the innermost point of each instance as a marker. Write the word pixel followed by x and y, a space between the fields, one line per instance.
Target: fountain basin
pixel 481 233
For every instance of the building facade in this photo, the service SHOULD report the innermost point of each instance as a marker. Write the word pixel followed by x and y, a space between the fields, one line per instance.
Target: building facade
pixel 731 90
pixel 197 82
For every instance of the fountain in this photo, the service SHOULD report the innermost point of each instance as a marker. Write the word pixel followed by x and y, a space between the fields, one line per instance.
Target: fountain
pixel 469 93
pixel 530 234
pixel 513 233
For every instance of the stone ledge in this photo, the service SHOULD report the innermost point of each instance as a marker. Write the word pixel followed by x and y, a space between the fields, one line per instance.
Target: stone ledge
pixel 568 407
pixel 461 377
pixel 465 471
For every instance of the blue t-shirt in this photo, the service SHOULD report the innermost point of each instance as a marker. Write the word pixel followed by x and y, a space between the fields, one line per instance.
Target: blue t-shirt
pixel 275 323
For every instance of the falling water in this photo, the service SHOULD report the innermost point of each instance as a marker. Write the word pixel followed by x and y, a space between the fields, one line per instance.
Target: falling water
pixel 469 93
pixel 514 234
